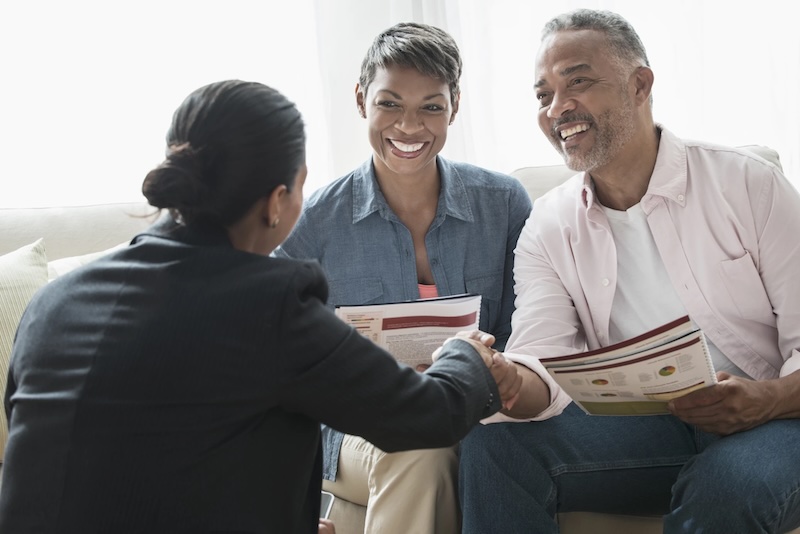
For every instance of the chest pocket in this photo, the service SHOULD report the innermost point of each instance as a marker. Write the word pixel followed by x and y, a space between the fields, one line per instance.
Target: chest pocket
pixel 355 291
pixel 490 288
pixel 752 305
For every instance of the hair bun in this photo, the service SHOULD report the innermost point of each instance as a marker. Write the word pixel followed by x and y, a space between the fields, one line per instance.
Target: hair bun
pixel 230 144
pixel 178 182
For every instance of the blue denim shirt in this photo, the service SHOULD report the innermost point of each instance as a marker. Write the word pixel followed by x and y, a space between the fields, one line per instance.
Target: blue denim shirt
pixel 368 255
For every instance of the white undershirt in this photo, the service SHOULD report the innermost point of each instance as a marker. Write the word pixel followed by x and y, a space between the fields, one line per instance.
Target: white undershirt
pixel 645 298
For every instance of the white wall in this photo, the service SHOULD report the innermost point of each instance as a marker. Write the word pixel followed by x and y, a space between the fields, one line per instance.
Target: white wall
pixel 89 86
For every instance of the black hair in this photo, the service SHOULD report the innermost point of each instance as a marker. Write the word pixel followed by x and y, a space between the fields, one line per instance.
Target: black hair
pixel 428 49
pixel 230 143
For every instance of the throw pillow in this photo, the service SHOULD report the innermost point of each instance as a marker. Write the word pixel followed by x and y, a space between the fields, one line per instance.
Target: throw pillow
pixel 62 266
pixel 22 273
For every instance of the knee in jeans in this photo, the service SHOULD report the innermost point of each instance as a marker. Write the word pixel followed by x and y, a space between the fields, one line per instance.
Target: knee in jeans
pixel 723 491
pixel 479 438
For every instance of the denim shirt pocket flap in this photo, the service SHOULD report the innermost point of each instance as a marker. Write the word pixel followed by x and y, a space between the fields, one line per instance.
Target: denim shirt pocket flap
pixel 490 288
pixel 488 285
pixel 352 291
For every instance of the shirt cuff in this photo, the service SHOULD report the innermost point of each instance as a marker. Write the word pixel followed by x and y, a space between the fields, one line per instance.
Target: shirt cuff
pixel 791 365
pixel 558 397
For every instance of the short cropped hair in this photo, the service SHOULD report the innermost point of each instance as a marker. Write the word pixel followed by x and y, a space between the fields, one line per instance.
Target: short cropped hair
pixel 428 49
pixel 623 40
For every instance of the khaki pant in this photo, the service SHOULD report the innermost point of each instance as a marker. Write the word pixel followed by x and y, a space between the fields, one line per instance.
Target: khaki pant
pixel 404 492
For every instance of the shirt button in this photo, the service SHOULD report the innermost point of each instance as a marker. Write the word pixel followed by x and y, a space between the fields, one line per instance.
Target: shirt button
pixel 681 198
pixel 434 262
pixel 605 282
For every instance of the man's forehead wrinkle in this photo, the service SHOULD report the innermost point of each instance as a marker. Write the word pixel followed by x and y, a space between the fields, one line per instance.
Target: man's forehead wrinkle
pixel 567 71
pixel 575 68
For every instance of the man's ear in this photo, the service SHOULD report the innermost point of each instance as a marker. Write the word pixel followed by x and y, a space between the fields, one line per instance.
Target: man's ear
pixel 360 104
pixel 643 84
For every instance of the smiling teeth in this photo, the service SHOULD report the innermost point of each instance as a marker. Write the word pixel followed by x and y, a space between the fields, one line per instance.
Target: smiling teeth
pixel 407 148
pixel 572 131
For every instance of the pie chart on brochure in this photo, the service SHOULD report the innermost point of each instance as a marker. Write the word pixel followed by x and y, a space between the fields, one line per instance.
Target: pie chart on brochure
pixel 666 371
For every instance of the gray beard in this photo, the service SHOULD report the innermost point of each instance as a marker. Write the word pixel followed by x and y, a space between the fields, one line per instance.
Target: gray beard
pixel 616 129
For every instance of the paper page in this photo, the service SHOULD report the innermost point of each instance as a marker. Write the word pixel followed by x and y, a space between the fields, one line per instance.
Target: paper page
pixel 412 330
pixel 640 383
pixel 662 334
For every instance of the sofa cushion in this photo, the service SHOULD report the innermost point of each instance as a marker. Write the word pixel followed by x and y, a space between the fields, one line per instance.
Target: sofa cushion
pixel 541 179
pixel 62 266
pixel 765 152
pixel 22 273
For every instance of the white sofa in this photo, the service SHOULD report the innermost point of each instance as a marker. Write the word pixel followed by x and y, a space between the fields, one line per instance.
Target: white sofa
pixel 38 244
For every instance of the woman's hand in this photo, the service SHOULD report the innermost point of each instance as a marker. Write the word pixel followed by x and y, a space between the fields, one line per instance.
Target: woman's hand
pixel 480 341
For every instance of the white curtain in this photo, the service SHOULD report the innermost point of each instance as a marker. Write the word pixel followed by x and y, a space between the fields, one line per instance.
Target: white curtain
pixel 88 87
pixel 726 71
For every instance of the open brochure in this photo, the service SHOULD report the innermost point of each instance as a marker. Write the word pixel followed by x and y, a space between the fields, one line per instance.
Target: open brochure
pixel 637 376
pixel 412 330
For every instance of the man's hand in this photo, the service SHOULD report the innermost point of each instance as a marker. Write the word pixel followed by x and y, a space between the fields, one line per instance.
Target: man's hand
pixel 733 405
pixel 326 526
pixel 503 371
pixel 509 381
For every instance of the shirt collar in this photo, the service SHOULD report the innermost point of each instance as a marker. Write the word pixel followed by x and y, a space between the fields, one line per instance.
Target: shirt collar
pixel 670 176
pixel 368 198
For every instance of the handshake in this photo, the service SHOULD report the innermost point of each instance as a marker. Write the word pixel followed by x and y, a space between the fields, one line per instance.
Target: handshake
pixel 505 373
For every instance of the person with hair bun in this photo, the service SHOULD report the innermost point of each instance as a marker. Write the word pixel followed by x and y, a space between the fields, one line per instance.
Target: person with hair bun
pixel 178 384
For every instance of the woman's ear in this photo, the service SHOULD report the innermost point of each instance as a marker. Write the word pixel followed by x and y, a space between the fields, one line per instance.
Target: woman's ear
pixel 271 209
pixel 360 104
pixel 456 103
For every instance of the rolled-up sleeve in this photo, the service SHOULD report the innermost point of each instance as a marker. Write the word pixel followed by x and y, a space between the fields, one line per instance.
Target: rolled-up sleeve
pixel 558 397
pixel 545 322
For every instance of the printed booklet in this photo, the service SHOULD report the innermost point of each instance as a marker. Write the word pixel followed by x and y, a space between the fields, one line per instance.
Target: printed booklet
pixel 412 330
pixel 640 375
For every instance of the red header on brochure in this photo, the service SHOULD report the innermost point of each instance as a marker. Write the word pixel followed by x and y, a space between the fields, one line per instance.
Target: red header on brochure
pixel 421 321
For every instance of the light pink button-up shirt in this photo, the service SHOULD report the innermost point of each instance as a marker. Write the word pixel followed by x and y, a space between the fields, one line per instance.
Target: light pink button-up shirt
pixel 727 226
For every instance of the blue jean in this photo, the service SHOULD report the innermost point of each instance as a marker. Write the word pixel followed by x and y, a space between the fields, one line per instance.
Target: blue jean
pixel 515 477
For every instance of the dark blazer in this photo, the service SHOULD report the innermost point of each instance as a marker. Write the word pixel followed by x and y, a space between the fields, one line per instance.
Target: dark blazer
pixel 178 385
